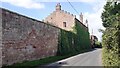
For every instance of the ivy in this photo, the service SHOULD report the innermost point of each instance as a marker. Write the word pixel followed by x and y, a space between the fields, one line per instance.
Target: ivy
pixel 73 42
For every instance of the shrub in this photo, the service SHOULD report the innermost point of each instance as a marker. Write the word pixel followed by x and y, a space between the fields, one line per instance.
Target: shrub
pixel 111 35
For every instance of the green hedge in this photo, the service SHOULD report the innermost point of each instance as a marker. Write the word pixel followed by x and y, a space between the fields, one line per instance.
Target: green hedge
pixel 111 35
pixel 73 42
pixel 111 45
pixel 98 44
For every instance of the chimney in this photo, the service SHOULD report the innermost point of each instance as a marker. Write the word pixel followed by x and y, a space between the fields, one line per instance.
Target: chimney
pixel 81 18
pixel 86 22
pixel 58 7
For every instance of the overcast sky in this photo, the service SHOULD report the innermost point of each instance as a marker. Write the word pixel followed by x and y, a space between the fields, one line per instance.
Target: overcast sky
pixel 39 9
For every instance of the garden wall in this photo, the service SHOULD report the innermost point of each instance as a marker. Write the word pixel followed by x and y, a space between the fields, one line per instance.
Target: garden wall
pixel 25 38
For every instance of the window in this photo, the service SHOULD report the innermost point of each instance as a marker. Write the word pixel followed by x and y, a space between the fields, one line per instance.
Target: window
pixel 64 24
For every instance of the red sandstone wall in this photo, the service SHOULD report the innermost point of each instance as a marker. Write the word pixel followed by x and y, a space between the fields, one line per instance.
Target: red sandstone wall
pixel 24 38
pixel 0 38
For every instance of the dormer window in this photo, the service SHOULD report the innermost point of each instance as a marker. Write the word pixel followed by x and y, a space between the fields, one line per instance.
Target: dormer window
pixel 64 24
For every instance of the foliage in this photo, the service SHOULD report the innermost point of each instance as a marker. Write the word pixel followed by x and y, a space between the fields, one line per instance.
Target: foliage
pixel 111 36
pixel 98 44
pixel 74 42
pixel 101 30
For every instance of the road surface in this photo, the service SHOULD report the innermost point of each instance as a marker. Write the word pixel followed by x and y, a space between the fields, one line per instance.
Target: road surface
pixel 92 58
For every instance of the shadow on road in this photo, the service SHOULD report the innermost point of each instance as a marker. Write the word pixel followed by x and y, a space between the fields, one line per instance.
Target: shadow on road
pixel 94 49
pixel 63 64
pixel 55 65
pixel 71 67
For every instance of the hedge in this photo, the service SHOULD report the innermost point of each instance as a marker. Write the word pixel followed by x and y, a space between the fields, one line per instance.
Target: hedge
pixel 111 35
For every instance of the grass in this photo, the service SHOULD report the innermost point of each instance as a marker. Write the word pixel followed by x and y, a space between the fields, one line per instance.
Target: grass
pixel 44 61
pixel 35 63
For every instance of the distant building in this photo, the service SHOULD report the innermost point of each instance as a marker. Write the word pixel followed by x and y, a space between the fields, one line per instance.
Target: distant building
pixel 64 19
pixel 93 39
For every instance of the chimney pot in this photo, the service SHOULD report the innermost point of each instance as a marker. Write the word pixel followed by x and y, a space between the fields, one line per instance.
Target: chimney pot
pixel 81 18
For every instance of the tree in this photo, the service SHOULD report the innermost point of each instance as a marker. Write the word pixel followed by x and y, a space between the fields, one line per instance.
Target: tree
pixel 111 35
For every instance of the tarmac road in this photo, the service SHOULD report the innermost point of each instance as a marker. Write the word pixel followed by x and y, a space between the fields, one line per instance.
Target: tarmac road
pixel 92 58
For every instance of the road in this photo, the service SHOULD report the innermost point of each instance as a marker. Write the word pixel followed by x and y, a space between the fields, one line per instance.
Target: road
pixel 92 58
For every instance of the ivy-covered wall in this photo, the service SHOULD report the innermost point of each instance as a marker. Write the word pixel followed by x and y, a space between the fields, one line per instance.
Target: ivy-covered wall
pixel 27 39
pixel 72 42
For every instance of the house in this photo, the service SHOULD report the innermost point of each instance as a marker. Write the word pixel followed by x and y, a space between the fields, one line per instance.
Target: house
pixel 93 39
pixel 64 19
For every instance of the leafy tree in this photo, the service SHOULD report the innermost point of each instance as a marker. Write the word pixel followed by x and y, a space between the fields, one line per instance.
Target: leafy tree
pixel 98 44
pixel 111 35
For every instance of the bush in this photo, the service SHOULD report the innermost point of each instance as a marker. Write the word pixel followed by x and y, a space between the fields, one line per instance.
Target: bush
pixel 98 44
pixel 111 35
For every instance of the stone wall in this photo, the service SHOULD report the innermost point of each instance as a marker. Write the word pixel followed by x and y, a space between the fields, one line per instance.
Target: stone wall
pixel 25 38
pixel 0 38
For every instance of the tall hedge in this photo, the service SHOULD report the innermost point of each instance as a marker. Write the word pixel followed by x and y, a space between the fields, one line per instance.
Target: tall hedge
pixel 111 35
pixel 73 42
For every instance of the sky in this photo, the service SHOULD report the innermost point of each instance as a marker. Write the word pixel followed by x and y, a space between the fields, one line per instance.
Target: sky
pixel 40 9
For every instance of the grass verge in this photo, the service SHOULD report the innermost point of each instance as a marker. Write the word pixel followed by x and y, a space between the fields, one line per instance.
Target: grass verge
pixel 44 61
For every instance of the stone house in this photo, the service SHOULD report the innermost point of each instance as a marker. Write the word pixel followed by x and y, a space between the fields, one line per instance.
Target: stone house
pixel 93 39
pixel 64 19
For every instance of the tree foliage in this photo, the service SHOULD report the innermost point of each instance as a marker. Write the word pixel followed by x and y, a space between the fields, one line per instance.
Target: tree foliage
pixel 111 35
